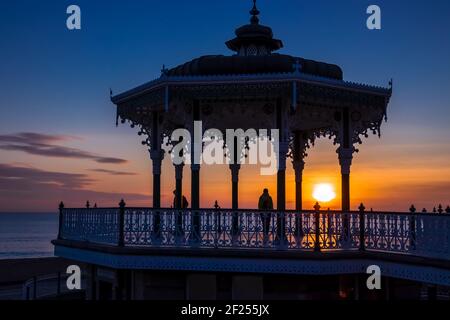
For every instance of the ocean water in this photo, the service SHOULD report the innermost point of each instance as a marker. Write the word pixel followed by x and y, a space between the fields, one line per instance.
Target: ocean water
pixel 27 235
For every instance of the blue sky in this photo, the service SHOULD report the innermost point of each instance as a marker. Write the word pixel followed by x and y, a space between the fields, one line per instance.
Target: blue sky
pixel 57 81
pixel 124 43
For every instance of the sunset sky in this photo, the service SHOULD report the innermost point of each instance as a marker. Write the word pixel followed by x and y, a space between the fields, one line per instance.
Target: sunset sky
pixel 58 139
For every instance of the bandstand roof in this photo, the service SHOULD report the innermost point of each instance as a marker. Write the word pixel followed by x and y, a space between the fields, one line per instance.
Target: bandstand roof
pixel 255 71
pixel 274 63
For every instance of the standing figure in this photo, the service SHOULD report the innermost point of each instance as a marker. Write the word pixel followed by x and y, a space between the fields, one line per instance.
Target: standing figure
pixel 179 215
pixel 265 204
pixel 184 202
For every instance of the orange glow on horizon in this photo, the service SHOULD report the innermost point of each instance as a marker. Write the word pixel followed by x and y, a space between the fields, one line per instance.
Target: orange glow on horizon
pixel 391 182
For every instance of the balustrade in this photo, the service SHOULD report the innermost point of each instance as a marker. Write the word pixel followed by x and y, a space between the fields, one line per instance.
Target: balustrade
pixel 425 235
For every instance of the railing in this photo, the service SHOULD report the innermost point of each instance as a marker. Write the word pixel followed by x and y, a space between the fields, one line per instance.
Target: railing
pixel 91 225
pixel 425 235
pixel 49 286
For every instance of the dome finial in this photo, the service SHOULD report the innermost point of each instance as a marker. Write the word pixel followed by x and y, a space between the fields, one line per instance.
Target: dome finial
pixel 254 12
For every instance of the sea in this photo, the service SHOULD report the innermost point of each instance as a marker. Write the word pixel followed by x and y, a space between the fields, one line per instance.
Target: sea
pixel 27 235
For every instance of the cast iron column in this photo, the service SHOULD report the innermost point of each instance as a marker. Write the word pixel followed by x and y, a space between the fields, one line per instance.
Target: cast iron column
pixel 235 185
pixel 157 156
pixel 345 160
pixel 235 167
pixel 179 198
pixel 196 149
pixel 298 169
pixel 281 175
pixel 299 164
pixel 235 196
pixel 179 186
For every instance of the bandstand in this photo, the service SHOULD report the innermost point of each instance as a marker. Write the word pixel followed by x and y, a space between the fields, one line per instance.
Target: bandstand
pixel 256 88
pixel 132 249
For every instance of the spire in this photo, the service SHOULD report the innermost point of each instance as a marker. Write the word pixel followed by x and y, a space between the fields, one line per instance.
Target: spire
pixel 254 39
pixel 255 13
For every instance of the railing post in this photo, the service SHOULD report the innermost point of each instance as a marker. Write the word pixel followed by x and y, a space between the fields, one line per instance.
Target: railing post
pixel 196 227
pixel 217 218
pixel 60 220
pixel 412 228
pixel 235 224
pixel 122 205
pixel 317 228
pixel 156 232
pixel 179 234
pixel 362 228
pixel 281 230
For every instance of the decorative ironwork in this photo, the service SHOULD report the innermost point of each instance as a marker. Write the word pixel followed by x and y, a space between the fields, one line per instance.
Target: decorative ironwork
pixel 389 232
pixel 90 225
pixel 424 235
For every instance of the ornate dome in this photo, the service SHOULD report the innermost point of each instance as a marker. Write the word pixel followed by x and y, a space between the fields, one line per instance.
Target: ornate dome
pixel 254 46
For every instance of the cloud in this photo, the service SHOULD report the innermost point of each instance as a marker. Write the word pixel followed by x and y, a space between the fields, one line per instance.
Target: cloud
pixel 34 138
pixel 114 172
pixel 419 190
pixel 26 178
pixel 43 145
pixel 30 189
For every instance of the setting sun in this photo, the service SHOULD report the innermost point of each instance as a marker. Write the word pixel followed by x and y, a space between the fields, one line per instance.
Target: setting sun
pixel 324 192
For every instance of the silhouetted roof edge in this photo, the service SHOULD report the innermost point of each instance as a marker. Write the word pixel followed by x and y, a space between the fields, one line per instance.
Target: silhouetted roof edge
pixel 166 80
pixel 275 63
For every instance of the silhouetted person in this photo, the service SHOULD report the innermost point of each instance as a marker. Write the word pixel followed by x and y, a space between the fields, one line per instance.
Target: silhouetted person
pixel 179 215
pixel 184 202
pixel 265 203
